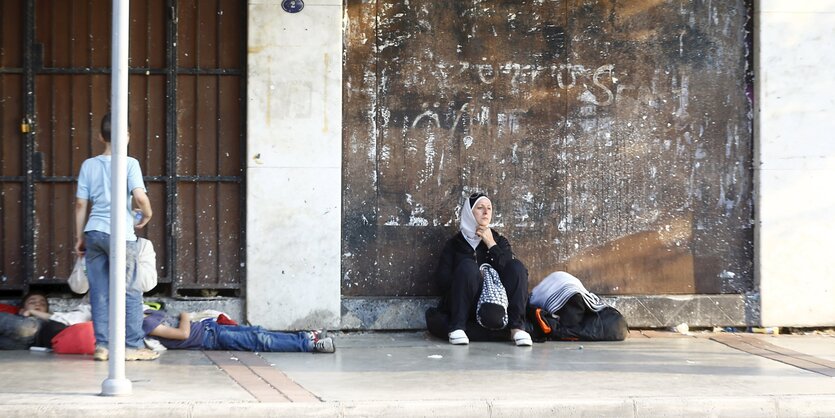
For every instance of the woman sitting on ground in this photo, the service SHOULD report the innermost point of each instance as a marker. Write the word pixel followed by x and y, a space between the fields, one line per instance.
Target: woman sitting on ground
pixel 461 272
pixel 209 335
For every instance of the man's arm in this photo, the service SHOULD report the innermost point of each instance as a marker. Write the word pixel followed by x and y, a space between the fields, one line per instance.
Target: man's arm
pixel 180 333
pixel 80 217
pixel 141 200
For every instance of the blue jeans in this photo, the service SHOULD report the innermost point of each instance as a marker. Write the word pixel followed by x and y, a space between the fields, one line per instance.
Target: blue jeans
pixel 98 273
pixel 17 332
pixel 241 338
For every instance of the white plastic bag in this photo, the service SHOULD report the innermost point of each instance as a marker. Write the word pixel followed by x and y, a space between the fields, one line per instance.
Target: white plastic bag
pixel 78 278
pixel 146 265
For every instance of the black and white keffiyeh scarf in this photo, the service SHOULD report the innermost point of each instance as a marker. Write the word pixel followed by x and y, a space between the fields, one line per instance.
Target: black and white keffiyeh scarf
pixel 493 297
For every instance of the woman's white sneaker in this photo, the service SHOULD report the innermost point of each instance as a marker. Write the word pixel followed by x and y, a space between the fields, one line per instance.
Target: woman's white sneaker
pixel 522 339
pixel 458 337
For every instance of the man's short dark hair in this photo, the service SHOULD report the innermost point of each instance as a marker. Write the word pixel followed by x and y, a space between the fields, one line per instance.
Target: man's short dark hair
pixel 105 127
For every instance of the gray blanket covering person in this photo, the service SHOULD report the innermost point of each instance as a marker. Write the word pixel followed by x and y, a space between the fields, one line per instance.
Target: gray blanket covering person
pixel 557 288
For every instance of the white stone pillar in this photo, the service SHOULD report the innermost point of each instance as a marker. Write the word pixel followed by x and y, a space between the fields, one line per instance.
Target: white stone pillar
pixel 294 165
pixel 795 161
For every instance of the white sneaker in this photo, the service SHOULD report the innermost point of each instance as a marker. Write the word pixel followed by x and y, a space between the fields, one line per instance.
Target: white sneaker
pixel 101 353
pixel 140 354
pixel 458 337
pixel 522 339
pixel 324 345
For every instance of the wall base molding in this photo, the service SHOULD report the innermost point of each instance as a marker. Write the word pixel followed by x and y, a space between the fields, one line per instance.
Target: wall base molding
pixel 641 311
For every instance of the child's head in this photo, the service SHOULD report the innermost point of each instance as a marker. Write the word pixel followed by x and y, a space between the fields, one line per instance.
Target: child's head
pixel 35 301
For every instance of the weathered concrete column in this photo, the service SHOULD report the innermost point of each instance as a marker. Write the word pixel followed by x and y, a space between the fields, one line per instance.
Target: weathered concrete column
pixel 795 162
pixel 294 145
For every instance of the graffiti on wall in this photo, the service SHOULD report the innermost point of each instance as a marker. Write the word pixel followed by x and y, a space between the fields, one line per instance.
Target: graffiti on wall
pixel 613 146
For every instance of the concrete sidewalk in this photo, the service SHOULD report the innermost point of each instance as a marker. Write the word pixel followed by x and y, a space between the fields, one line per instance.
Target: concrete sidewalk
pixel 412 374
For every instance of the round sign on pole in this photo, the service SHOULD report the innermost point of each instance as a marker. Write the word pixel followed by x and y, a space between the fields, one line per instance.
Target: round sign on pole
pixel 292 6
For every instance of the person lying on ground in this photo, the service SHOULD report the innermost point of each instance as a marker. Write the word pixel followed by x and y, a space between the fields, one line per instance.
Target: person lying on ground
pixel 35 325
pixel 209 335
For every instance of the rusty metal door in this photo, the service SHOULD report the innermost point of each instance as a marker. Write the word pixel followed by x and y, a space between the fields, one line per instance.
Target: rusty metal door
pixel 614 138
pixel 186 117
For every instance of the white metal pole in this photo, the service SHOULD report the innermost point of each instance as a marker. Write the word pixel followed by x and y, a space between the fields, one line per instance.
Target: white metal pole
pixel 116 382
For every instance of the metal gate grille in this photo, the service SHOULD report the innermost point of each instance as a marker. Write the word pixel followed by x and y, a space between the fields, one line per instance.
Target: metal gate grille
pixel 186 116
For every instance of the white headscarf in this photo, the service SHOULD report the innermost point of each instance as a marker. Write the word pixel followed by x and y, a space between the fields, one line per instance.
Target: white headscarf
pixel 468 222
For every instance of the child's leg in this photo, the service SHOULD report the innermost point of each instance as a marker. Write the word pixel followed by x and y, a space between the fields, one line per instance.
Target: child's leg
pixel 258 339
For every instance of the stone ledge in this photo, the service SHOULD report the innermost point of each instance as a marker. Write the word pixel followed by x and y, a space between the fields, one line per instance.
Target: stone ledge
pixel 407 313
pixel 645 311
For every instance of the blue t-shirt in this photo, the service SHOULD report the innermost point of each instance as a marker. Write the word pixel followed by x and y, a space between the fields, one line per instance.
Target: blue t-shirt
pixel 94 185
pixel 154 319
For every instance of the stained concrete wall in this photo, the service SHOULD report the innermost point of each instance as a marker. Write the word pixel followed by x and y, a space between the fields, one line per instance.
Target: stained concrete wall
pixel 294 170
pixel 795 167
pixel 294 144
pixel 613 137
